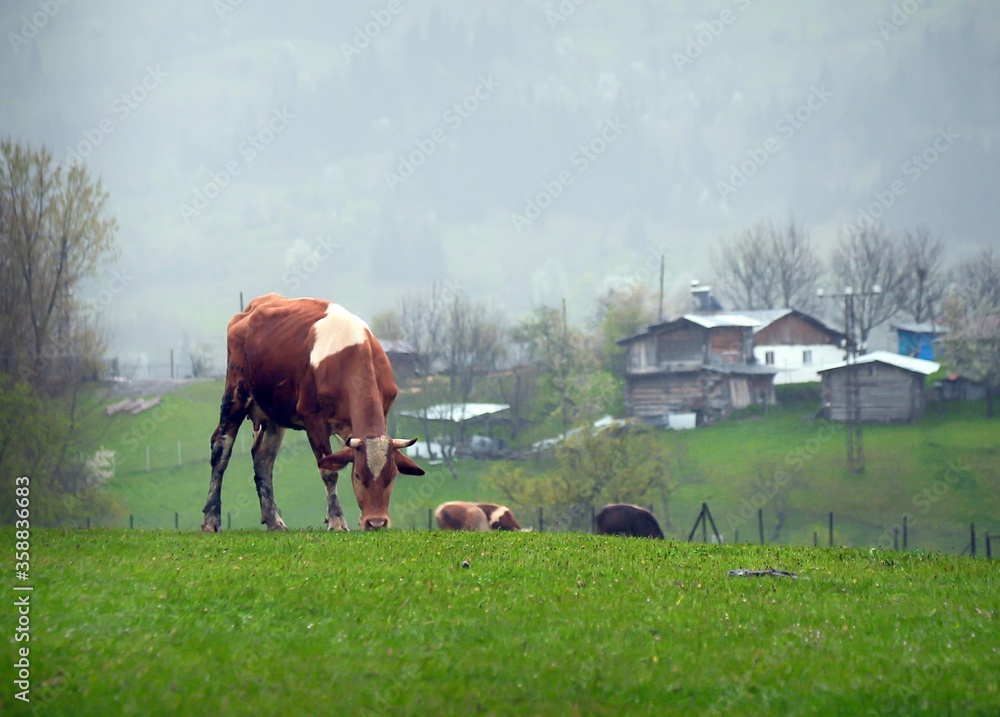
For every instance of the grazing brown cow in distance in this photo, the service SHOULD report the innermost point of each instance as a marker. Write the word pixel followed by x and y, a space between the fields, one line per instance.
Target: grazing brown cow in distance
pixel 499 517
pixel 457 515
pixel 629 520
pixel 309 365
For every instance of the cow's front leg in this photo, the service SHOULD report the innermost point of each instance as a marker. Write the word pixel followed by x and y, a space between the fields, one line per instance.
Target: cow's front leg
pixel 265 449
pixel 334 513
pixel 319 440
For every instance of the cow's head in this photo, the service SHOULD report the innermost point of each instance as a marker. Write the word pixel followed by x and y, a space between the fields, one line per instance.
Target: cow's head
pixel 376 461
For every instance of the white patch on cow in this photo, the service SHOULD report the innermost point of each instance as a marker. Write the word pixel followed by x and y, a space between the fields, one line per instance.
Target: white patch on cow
pixel 496 515
pixel 377 450
pixel 337 330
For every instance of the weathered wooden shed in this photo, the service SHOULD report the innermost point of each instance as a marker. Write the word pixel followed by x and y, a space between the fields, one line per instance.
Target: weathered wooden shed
pixel 891 388
pixel 699 364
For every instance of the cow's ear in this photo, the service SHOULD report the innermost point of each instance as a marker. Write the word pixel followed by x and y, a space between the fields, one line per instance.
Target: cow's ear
pixel 405 465
pixel 336 461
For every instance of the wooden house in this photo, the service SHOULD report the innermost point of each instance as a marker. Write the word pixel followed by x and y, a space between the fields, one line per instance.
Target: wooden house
pixel 403 360
pixel 701 364
pixel 891 388
pixel 793 343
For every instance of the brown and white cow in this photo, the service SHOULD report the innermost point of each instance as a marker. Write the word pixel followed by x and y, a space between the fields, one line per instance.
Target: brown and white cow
pixel 309 365
pixel 499 517
pixel 627 519
pixel 459 515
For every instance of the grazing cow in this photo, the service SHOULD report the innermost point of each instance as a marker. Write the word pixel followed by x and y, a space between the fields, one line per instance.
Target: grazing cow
pixel 309 365
pixel 457 515
pixel 499 516
pixel 625 519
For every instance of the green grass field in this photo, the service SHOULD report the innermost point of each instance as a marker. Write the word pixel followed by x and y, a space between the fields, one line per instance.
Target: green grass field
pixel 943 472
pixel 304 622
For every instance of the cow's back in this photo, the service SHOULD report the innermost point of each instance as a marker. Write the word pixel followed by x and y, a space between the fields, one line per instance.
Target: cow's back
pixel 461 516
pixel 629 520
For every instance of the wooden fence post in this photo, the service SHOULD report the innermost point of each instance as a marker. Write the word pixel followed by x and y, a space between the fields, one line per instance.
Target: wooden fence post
pixel 831 528
pixel 905 541
pixel 131 522
pixel 541 520
pixel 760 524
pixel 972 545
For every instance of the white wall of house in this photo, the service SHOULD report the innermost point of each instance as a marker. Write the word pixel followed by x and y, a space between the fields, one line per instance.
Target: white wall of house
pixel 798 364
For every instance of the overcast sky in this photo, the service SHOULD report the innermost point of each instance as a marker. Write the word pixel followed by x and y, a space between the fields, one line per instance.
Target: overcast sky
pixel 525 152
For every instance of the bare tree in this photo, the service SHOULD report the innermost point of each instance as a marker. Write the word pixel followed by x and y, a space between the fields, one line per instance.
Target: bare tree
pixel 870 262
pixel 972 314
pixel 454 336
pixel 768 267
pixel 924 281
pixel 53 235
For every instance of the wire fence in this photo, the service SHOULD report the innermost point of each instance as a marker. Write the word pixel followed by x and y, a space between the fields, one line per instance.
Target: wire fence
pixel 581 518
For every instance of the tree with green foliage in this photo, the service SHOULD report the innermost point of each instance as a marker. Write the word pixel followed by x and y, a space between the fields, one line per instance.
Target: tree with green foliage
pixel 619 464
pixel 570 372
pixel 54 235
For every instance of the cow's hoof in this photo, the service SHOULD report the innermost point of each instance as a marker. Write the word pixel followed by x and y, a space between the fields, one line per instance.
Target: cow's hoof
pixel 338 524
pixel 277 524
pixel 211 526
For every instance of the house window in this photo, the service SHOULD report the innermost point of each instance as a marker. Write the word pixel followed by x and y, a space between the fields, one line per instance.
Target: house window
pixel 769 358
pixel 807 358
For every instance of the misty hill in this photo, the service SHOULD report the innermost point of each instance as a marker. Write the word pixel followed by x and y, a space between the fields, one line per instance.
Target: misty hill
pixel 527 153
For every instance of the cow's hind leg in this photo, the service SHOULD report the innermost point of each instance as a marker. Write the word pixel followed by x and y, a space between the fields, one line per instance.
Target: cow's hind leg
pixel 265 449
pixel 232 414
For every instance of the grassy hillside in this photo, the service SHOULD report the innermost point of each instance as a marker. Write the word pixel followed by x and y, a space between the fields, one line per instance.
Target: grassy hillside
pixel 157 622
pixel 943 472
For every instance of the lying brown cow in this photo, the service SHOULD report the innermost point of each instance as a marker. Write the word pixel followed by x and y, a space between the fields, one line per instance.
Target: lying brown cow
pixel 309 365
pixel 459 515
pixel 629 520
pixel 499 517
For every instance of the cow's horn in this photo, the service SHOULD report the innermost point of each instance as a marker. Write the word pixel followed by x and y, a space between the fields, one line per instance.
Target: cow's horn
pixel 402 442
pixel 353 442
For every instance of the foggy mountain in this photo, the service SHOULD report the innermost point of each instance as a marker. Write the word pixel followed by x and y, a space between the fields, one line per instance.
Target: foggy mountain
pixel 524 152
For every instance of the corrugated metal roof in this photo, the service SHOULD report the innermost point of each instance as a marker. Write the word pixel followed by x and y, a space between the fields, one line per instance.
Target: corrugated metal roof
pixel 456 412
pixel 907 363
pixel 922 328
pixel 711 321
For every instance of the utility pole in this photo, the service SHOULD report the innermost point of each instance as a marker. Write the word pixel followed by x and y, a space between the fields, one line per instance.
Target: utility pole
pixel 852 380
pixel 662 266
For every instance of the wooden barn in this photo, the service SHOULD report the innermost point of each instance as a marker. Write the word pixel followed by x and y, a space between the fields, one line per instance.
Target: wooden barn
pixel 700 364
pixel 891 388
